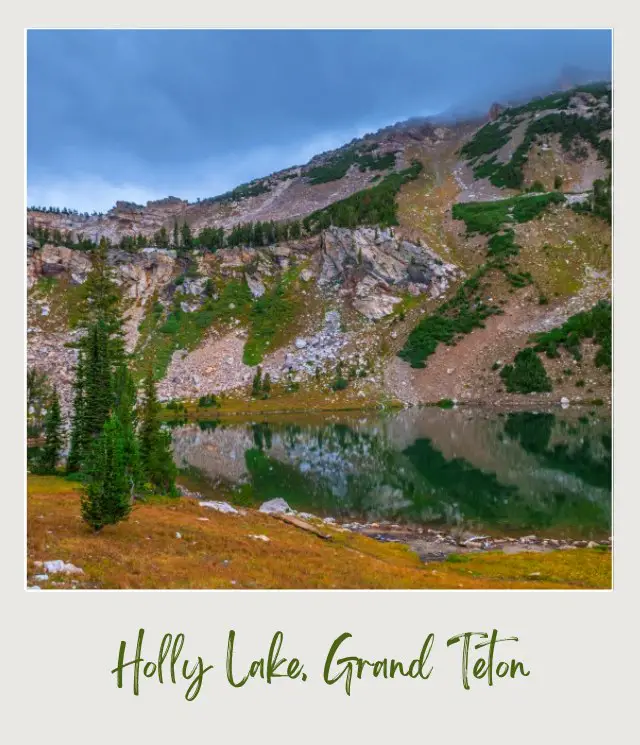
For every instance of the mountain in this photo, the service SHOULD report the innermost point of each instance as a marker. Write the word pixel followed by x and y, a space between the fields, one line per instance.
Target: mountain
pixel 411 265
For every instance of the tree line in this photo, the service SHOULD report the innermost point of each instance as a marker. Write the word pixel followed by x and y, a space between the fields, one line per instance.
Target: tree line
pixel 117 446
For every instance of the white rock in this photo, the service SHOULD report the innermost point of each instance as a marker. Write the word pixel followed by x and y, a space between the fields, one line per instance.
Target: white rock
pixel 260 537
pixel 40 577
pixel 220 507
pixel 178 535
pixel 275 507
pixel 564 402
pixel 300 343
pixel 57 565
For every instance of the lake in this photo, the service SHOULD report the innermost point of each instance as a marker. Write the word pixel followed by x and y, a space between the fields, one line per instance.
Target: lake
pixel 510 473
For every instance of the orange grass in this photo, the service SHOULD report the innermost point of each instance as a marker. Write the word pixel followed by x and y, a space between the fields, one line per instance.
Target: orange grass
pixel 144 552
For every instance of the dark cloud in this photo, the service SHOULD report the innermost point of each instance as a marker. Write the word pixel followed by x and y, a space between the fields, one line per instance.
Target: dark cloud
pixel 115 114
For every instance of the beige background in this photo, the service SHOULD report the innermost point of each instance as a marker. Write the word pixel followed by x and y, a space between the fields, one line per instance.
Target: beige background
pixel 581 647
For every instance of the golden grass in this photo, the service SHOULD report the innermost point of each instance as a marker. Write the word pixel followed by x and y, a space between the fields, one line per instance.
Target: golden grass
pixel 144 552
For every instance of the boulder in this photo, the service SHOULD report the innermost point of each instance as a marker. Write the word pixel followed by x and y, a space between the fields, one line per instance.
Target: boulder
pixel 277 506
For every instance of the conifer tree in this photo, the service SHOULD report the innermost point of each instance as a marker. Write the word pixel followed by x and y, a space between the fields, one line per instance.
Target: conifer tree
pixel 98 383
pixel 78 441
pixel 101 301
pixel 156 460
pixel 257 382
pixel 124 407
pixel 106 499
pixel 266 385
pixel 185 234
pixel 53 436
pixel 176 236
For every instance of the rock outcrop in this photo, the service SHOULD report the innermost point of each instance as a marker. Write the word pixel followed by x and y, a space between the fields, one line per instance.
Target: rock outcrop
pixel 379 266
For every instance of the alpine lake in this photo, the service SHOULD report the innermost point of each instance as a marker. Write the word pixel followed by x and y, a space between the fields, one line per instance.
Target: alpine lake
pixel 545 472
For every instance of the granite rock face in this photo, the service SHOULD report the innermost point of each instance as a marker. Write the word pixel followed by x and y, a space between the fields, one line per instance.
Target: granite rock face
pixel 380 266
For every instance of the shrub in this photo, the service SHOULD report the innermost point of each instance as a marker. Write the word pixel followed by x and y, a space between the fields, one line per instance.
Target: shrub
pixel 339 384
pixel 206 402
pixel 595 323
pixel 527 374
pixel 446 403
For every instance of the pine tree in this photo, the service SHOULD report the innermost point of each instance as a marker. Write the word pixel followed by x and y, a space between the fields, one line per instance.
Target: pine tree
pixel 266 385
pixel 156 460
pixel 106 499
pixel 101 301
pixel 124 407
pixel 98 385
pixel 176 236
pixel 50 453
pixel 257 382
pixel 187 237
pixel 78 441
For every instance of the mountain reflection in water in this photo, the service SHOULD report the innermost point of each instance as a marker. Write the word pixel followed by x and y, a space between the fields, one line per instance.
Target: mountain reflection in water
pixel 518 472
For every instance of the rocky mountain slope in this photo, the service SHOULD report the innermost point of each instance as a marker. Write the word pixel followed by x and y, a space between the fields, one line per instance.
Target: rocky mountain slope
pixel 411 265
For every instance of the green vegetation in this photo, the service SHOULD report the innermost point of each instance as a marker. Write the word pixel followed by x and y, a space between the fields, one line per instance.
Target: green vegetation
pixel 488 218
pixel 337 167
pixel 252 189
pixel 572 128
pixel 599 202
pixel 487 140
pixel 48 456
pixel 448 323
pixel 106 499
pixel 374 206
pixel 465 311
pixel 270 315
pixel 208 401
pixel 114 462
pixel 594 324
pixel 180 330
pixel 156 460
pixel 446 403
pixel 527 374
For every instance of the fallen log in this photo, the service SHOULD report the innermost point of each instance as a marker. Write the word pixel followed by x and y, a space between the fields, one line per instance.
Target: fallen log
pixel 296 522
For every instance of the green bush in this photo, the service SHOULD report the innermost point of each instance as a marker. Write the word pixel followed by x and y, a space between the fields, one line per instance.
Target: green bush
pixel 487 140
pixel 339 384
pixel 527 374
pixel 488 218
pixel 594 324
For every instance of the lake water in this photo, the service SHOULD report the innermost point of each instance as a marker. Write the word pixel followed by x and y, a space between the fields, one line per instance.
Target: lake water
pixel 512 473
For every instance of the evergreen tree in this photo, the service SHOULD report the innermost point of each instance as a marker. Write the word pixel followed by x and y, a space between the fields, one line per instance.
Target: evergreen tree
pixel 78 427
pixel 266 385
pixel 107 498
pixel 124 407
pixel 101 301
pixel 98 382
pixel 156 460
pixel 161 238
pixel 187 237
pixel 176 236
pixel 257 382
pixel 53 436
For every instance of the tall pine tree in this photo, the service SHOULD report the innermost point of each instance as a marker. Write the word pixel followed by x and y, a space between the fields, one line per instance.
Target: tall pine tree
pixel 156 459
pixel 50 452
pixel 124 407
pixel 106 499
pixel 78 443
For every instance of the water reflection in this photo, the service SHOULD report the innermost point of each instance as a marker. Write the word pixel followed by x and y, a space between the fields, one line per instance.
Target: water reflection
pixel 519 472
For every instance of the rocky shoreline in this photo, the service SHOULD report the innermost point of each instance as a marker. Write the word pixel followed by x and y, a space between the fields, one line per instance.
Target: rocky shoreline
pixel 431 544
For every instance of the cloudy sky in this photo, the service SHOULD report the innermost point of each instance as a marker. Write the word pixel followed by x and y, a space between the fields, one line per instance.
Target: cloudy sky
pixel 140 115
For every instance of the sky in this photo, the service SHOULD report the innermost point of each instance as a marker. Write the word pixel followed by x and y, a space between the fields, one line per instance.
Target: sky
pixel 140 115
